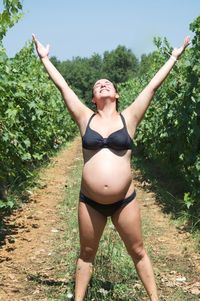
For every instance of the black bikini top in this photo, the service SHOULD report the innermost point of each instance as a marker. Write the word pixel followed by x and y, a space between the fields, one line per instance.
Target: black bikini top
pixel 118 140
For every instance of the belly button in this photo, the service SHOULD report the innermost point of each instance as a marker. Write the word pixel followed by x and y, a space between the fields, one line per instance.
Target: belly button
pixel 106 186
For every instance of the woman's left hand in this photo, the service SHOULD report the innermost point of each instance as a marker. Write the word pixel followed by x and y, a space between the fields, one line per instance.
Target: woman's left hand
pixel 176 52
pixel 41 49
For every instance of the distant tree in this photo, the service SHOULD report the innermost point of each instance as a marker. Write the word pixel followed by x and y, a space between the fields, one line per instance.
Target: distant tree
pixel 119 65
pixel 145 63
pixel 80 73
pixel 55 61
pixel 95 63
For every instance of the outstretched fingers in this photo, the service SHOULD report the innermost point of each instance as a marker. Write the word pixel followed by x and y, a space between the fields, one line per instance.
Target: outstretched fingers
pixel 186 42
pixel 178 51
pixel 47 47
pixel 34 38
pixel 41 49
pixel 36 41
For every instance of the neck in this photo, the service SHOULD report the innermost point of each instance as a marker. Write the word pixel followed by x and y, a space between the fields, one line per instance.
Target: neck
pixel 107 110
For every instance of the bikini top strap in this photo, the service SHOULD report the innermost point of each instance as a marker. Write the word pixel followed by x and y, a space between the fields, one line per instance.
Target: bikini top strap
pixel 90 119
pixel 123 120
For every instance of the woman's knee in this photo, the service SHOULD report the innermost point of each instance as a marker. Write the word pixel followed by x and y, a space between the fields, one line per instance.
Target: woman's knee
pixel 88 253
pixel 137 252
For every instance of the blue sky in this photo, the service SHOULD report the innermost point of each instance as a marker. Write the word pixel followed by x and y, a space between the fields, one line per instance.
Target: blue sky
pixel 83 27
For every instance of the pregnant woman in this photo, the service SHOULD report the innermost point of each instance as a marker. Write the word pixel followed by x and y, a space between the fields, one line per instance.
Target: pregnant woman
pixel 106 187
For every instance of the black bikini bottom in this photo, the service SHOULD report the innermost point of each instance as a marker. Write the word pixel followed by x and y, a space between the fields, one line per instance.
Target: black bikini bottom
pixel 107 209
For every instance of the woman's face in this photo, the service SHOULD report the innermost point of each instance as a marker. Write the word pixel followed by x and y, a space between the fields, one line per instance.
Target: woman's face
pixel 104 88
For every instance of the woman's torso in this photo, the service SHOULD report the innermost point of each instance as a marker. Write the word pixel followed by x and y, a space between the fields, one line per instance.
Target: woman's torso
pixel 106 176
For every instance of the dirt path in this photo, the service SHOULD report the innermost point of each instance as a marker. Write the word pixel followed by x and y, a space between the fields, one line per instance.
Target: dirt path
pixel 28 238
pixel 29 232
pixel 175 259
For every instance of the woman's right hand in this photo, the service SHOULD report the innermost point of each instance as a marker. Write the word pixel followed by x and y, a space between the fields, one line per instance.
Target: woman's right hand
pixel 178 51
pixel 41 49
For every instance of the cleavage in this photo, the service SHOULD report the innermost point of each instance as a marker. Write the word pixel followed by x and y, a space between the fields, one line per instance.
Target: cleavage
pixel 108 135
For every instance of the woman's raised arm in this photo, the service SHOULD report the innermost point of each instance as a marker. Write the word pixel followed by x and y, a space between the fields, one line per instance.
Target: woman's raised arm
pixel 135 112
pixel 77 109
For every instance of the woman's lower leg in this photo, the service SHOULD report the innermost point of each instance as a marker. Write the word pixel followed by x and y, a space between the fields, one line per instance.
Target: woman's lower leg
pixel 145 272
pixel 91 225
pixel 128 224
pixel 82 278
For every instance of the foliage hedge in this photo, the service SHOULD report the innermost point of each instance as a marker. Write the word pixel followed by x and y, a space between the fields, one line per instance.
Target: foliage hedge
pixel 170 131
pixel 33 118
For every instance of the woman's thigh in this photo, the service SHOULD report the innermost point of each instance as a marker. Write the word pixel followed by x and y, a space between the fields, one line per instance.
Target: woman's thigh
pixel 127 222
pixel 91 226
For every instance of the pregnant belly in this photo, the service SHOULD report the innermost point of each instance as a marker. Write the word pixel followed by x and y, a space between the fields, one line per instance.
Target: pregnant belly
pixel 107 179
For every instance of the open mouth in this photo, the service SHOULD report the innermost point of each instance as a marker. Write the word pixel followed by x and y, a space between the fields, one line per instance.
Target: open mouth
pixel 104 89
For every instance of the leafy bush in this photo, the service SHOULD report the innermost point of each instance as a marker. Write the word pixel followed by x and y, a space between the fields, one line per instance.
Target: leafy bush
pixel 33 118
pixel 170 131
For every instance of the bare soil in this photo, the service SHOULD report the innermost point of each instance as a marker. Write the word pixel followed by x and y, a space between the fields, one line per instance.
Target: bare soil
pixel 28 238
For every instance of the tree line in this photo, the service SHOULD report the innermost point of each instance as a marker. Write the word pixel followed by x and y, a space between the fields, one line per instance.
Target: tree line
pixel 118 65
